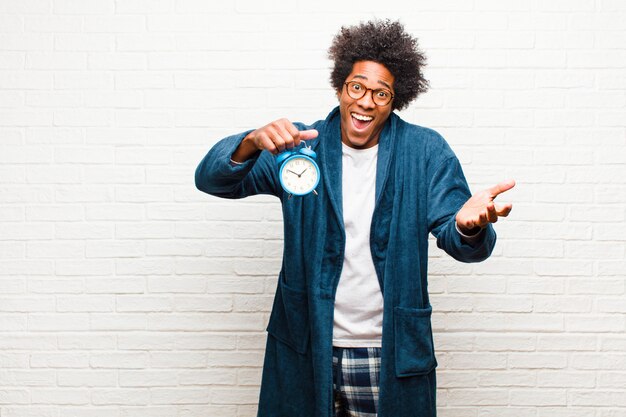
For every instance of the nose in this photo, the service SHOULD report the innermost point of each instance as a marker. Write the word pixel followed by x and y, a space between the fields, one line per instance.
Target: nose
pixel 367 101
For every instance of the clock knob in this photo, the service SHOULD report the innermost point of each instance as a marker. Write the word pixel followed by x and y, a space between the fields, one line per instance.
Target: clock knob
pixel 308 152
pixel 283 155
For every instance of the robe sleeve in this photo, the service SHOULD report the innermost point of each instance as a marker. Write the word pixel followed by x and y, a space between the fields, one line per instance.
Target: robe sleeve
pixel 216 175
pixel 447 192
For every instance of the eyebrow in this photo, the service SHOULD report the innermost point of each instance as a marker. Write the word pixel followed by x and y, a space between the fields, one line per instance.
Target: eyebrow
pixel 379 81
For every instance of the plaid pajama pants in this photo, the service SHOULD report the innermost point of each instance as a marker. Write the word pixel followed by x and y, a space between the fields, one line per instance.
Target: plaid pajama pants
pixel 355 381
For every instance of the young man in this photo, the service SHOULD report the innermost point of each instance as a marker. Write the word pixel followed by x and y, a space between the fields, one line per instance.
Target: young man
pixel 350 332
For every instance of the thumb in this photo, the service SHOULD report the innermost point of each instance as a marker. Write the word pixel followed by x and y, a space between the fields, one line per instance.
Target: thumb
pixel 308 134
pixel 501 187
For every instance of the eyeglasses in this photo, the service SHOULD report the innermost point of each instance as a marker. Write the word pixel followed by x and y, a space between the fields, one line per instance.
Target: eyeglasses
pixel 380 96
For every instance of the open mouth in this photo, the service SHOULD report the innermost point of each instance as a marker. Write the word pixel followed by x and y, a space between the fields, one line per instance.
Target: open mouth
pixel 361 121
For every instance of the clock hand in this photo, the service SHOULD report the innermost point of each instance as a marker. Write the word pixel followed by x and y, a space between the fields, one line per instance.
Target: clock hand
pixel 302 172
pixel 293 172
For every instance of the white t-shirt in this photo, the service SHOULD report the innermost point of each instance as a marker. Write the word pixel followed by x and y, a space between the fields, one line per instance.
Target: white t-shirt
pixel 358 319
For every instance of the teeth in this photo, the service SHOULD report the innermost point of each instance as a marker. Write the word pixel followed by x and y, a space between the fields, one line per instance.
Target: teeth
pixel 361 117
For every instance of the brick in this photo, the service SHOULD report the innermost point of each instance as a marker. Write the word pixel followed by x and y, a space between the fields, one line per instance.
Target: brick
pixel 171 247
pixel 58 322
pixel 12 250
pixel 126 303
pixel 506 379
pixel 27 304
pixel 52 23
pixel 561 379
pixel 151 411
pixel 83 155
pixel 64 212
pixel 208 304
pixel 86 341
pixel 109 285
pixel 456 379
pixel 598 399
pixel 507 412
pixel 44 174
pixel 566 342
pixel 501 343
pixel 29 342
pixel 543 397
pixel 179 395
pixel 85 304
pixel 90 378
pixel 84 267
pixel 146 378
pixel 119 360
pixel 208 321
pixel 477 397
pixel 28 378
pixel 116 99
pixel 143 194
pixel 145 6
pixel 13 60
pixel 55 286
pixel 91 230
pixel 11 175
pixel 13 323
pixel 81 80
pixel 143 266
pixel 114 249
pixel 56 135
pixel 108 212
pixel 56 61
pixel 118 322
pixel 58 360
pixel 171 360
pixel 121 396
pixel 512 322
pixel 26 267
pixel 562 304
pixel 235 396
pixel 188 284
pixel 248 377
pixel 537 361
pixel 114 24
pixel 595 324
pixel 15 396
pixel 475 361
pixel 589 286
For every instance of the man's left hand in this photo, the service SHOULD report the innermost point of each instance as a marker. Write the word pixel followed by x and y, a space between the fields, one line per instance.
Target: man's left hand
pixel 481 209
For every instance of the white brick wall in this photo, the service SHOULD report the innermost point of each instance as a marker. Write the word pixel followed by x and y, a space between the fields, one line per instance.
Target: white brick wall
pixel 126 292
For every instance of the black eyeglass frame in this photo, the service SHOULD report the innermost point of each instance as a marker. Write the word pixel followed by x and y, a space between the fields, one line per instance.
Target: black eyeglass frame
pixel 365 90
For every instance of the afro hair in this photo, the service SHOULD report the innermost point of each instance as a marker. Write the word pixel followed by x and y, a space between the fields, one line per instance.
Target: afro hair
pixel 384 42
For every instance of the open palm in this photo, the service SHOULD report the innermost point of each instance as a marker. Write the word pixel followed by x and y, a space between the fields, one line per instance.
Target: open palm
pixel 481 209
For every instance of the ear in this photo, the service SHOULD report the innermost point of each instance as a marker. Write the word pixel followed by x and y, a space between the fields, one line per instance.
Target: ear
pixel 338 94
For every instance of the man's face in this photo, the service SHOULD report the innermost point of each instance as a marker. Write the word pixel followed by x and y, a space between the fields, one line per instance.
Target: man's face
pixel 362 120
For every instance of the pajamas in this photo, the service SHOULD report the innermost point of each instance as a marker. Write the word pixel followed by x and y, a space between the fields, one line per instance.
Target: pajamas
pixel 355 381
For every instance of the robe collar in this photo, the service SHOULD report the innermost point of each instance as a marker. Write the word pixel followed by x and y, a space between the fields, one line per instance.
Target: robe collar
pixel 330 158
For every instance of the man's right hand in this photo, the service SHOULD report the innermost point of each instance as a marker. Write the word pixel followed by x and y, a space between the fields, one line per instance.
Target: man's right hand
pixel 274 137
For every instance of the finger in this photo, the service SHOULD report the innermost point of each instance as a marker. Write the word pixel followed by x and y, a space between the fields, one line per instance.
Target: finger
pixel 492 217
pixel 501 187
pixel 276 138
pixel 482 219
pixel 468 225
pixel 287 135
pixel 292 131
pixel 503 210
pixel 308 134
pixel 264 142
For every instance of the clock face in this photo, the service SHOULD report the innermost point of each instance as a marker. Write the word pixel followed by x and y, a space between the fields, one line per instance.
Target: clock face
pixel 299 175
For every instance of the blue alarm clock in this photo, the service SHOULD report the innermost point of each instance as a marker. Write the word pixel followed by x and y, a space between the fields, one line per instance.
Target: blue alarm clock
pixel 299 174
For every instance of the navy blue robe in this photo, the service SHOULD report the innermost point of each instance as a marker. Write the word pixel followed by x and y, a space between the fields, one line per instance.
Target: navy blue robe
pixel 420 186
